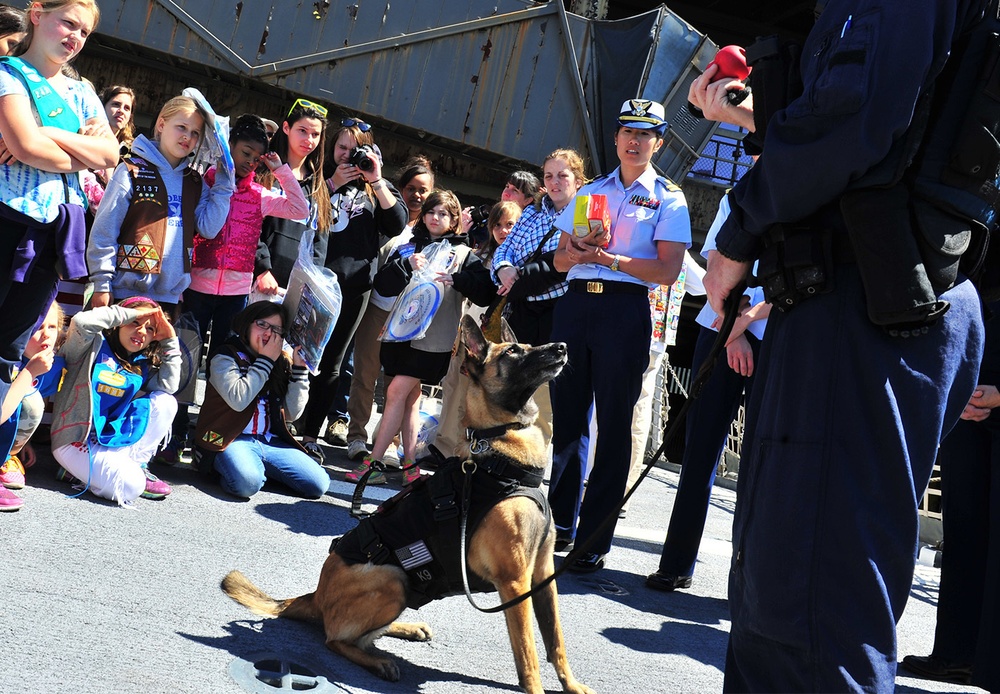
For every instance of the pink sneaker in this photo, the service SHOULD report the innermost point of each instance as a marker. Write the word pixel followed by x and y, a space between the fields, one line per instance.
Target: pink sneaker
pixel 12 473
pixel 411 473
pixel 9 501
pixel 155 487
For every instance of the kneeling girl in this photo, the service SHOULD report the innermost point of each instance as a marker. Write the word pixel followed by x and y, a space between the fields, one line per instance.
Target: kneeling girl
pixel 253 388
pixel 123 362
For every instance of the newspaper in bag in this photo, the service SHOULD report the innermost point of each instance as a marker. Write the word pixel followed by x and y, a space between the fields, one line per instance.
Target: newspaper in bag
pixel 215 144
pixel 411 315
pixel 313 300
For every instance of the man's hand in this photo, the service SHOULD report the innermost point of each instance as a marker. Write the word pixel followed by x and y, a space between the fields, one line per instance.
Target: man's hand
pixel 711 94
pixel 981 404
pixel 722 277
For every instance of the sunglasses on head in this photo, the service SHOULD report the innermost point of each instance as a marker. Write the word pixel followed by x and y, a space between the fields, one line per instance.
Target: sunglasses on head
pixel 264 325
pixel 305 103
pixel 354 122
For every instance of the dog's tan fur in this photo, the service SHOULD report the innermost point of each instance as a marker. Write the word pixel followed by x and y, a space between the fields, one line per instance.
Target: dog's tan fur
pixel 511 548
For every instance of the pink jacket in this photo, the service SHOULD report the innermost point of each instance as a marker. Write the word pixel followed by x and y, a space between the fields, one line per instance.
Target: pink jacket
pixel 223 266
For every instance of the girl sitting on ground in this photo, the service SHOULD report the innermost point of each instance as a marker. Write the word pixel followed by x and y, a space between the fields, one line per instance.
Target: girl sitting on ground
pixel 253 388
pixel 123 362
pixel 38 377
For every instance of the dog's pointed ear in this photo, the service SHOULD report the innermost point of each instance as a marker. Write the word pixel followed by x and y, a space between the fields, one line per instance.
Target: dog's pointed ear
pixel 506 332
pixel 475 342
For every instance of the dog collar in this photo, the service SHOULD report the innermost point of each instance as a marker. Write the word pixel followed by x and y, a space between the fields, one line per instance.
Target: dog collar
pixel 476 435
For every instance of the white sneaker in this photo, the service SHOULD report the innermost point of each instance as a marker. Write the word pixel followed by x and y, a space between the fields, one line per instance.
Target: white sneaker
pixel 357 449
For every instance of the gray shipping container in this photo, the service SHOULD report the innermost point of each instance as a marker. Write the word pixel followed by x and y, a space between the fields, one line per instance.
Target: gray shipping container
pixel 501 80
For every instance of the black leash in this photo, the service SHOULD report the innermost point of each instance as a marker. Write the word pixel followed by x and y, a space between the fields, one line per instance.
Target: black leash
pixel 731 311
pixel 359 489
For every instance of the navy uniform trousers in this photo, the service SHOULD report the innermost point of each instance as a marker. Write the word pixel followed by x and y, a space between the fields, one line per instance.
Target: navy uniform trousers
pixel 842 433
pixel 970 565
pixel 607 342
pixel 707 426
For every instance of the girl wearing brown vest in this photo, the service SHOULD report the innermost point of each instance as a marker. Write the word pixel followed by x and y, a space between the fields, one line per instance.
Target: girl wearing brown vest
pixel 252 389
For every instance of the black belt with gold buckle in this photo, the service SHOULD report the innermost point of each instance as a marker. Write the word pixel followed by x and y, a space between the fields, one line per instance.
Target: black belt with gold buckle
pixel 606 287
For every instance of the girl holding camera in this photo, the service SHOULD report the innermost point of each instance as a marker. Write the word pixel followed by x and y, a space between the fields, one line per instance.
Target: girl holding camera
pixel 366 207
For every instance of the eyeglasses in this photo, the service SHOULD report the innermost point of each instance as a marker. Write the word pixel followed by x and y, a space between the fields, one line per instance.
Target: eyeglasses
pixel 352 122
pixel 305 103
pixel 264 325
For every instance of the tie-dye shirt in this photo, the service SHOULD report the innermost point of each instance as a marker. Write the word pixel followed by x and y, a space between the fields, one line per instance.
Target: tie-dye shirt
pixel 32 191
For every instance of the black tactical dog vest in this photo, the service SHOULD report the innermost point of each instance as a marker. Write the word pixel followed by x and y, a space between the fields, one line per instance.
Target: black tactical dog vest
pixel 419 528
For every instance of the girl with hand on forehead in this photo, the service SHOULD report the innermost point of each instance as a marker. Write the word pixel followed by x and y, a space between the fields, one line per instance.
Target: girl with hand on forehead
pixel 123 362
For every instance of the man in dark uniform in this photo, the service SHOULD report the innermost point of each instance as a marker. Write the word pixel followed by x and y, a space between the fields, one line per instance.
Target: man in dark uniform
pixel 845 418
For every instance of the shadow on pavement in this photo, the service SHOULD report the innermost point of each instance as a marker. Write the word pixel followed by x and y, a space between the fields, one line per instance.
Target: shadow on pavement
pixel 308 517
pixel 301 643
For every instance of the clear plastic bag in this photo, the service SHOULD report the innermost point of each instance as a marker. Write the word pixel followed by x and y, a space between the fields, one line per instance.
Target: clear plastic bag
pixel 215 145
pixel 313 300
pixel 416 305
pixel 189 336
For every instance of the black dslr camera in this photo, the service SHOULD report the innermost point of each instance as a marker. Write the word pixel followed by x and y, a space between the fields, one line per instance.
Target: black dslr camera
pixel 480 217
pixel 361 157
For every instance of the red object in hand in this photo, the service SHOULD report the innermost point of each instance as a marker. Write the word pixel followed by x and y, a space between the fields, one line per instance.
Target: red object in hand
pixel 732 62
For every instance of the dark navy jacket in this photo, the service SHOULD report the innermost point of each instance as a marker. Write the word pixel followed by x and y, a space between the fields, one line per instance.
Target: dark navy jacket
pixel 864 66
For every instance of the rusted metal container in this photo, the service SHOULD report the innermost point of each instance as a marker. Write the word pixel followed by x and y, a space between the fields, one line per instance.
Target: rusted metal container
pixel 501 80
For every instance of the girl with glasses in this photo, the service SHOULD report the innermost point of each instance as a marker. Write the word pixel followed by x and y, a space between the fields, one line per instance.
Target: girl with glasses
pixel 252 388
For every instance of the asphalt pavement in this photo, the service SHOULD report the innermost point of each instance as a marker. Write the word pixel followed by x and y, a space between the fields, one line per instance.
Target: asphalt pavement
pixel 102 599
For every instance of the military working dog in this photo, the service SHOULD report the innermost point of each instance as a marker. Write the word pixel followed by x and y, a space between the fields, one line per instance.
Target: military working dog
pixel 510 548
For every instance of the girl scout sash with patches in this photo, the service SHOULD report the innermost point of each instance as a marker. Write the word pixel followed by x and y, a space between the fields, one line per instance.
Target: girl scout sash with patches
pixel 52 108
pixel 69 226
pixel 120 418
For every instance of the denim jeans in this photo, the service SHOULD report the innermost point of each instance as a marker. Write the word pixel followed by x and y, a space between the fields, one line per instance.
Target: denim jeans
pixel 249 461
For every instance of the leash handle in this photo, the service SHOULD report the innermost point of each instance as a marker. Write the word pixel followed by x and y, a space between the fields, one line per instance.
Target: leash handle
pixel 359 489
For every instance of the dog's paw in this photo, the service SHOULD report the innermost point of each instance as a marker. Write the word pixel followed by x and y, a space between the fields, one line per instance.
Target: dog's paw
pixel 422 632
pixel 578 688
pixel 386 669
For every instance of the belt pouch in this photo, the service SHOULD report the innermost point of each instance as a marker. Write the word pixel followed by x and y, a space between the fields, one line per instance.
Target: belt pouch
pixel 898 291
pixel 796 264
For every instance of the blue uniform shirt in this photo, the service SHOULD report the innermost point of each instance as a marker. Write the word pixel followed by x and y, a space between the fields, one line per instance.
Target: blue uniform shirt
pixel 652 209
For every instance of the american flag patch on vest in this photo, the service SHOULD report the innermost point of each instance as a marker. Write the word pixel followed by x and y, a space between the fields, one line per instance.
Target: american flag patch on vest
pixel 414 555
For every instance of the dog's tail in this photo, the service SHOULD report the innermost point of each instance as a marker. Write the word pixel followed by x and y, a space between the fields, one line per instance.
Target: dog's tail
pixel 242 590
